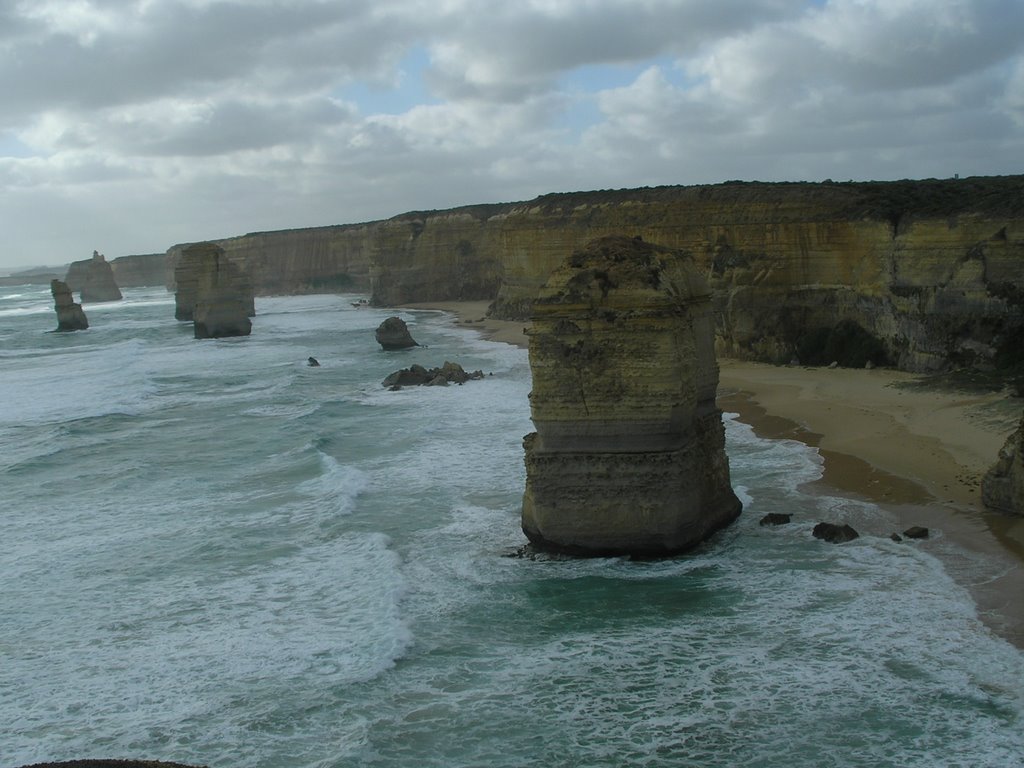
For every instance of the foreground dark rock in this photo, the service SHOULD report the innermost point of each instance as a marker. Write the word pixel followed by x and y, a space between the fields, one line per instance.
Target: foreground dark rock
pixel 833 533
pixel 916 532
pixel 213 292
pixel 1002 488
pixel 417 375
pixel 93 279
pixel 629 453
pixel 70 316
pixel 393 333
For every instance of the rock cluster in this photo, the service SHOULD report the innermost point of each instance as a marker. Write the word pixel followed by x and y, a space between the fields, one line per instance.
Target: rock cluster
pixel 213 292
pixel 393 333
pixel 70 316
pixel 628 456
pixel 1002 488
pixel 417 375
pixel 93 279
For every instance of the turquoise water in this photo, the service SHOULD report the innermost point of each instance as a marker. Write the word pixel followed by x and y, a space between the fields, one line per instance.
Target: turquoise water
pixel 214 554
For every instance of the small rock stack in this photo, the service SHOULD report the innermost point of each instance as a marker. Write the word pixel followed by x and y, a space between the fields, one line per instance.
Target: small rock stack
pixel 70 316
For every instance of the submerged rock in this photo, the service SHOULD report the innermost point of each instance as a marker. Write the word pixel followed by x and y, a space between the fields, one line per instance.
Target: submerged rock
pixel 628 456
pixel 916 532
pixel 70 316
pixel 393 333
pixel 834 533
pixel 312 362
pixel 775 518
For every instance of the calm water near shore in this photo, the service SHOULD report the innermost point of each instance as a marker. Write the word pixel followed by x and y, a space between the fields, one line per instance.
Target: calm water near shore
pixel 214 554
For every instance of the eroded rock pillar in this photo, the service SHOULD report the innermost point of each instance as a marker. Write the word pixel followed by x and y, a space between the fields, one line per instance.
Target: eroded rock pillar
pixel 628 456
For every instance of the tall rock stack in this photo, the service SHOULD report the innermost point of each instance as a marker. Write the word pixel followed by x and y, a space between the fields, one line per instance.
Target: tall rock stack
pixel 70 316
pixel 1002 488
pixel 213 292
pixel 191 263
pixel 93 279
pixel 629 452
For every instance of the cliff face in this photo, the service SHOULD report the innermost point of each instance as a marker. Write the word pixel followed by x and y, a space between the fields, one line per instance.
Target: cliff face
pixel 629 452
pixel 927 274
pixel 140 270
pixel 1002 488
pixel 213 292
pixel 94 279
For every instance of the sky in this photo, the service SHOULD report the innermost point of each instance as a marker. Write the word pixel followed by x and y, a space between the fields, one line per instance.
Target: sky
pixel 127 126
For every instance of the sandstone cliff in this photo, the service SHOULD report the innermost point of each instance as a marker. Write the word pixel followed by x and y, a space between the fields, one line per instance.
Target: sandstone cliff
pixel 928 274
pixel 1002 488
pixel 629 452
pixel 140 270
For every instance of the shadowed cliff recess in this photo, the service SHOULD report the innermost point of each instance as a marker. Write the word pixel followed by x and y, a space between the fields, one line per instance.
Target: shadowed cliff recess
pixel 629 452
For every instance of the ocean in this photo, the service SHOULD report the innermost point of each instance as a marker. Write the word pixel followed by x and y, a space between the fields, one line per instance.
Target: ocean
pixel 212 553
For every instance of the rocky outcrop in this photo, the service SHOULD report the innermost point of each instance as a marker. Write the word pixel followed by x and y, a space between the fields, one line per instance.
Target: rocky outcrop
pixel 1002 488
pixel 393 334
pixel 834 533
pixel 93 279
pixel 417 375
pixel 213 292
pixel 204 267
pixel 70 316
pixel 628 455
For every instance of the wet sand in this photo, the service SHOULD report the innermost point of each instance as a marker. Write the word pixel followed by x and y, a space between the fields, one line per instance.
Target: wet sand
pixel 887 437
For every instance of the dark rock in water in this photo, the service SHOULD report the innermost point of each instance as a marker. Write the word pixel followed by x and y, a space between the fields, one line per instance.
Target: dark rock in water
pixel 916 532
pixel 895 537
pixel 775 518
pixel 213 292
pixel 111 764
pixel 836 534
pixel 70 316
pixel 312 362
pixel 393 333
pixel 417 375
pixel 94 279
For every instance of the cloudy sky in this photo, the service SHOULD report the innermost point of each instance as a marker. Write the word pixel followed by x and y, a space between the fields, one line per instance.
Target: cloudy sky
pixel 130 125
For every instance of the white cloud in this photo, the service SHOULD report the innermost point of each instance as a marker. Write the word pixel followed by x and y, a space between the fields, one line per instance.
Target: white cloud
pixel 134 124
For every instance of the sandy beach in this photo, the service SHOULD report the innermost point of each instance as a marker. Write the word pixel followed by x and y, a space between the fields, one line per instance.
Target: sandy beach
pixel 893 438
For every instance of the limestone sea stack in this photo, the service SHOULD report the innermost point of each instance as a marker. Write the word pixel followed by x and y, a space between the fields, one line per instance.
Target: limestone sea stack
pixel 213 292
pixel 1002 488
pixel 70 316
pixel 628 456
pixel 93 279
pixel 195 268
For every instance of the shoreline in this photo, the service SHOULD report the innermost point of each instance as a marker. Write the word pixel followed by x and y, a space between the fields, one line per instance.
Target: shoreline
pixel 887 437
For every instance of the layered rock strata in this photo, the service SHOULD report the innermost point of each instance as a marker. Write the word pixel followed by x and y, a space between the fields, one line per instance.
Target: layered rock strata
pixel 70 315
pixel 1002 488
pixel 924 275
pixel 213 292
pixel 628 456
pixel 93 279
